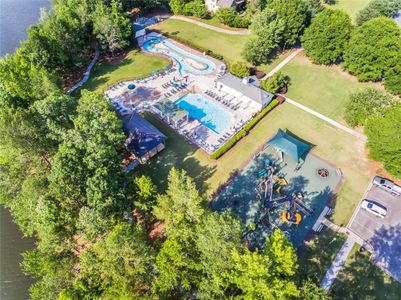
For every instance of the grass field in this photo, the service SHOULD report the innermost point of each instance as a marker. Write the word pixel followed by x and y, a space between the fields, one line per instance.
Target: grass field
pixel 334 145
pixel 214 21
pixel 315 259
pixel 230 46
pixel 360 279
pixel 351 7
pixel 135 65
pixel 323 88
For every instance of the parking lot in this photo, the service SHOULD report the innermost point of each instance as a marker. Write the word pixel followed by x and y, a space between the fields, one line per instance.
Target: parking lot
pixel 382 235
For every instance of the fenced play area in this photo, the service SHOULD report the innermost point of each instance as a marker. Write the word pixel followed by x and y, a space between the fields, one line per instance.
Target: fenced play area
pixel 284 187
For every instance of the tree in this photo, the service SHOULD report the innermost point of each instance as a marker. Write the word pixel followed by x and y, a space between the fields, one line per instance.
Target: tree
pixel 255 6
pixel 371 49
pixel 363 104
pixel 195 8
pixel 325 39
pixel 310 291
pixel 275 83
pixel 378 8
pixel 231 18
pixel 112 29
pixel 269 29
pixel 181 207
pixel 313 7
pixel 122 260
pixel 384 143
pixel 392 78
pixel 239 69
pixel 177 6
pixel 145 192
pixel 293 15
pixel 268 275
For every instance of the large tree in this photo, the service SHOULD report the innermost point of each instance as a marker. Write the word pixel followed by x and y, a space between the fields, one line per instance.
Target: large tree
pixel 293 14
pixel 384 138
pixel 112 29
pixel 372 48
pixel 378 8
pixel 362 104
pixel 325 39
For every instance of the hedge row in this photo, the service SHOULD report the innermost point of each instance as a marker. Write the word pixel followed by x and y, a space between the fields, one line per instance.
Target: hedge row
pixel 244 131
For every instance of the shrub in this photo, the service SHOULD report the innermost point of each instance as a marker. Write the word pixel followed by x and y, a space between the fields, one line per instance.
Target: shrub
pixel 239 69
pixel 275 83
pixel 362 104
pixel 195 8
pixel 177 6
pixel 230 17
pixel 378 8
pixel 330 2
pixel 244 131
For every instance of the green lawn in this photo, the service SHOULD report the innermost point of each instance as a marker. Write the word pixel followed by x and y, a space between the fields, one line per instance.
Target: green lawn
pixel 135 65
pixel 214 21
pixel 360 279
pixel 230 46
pixel 334 145
pixel 351 7
pixel 315 259
pixel 323 88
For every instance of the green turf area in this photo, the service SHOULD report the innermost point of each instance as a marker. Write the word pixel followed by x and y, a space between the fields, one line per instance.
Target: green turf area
pixel 315 259
pixel 351 7
pixel 230 46
pixel 334 145
pixel 322 88
pixel 135 65
pixel 360 279
pixel 214 21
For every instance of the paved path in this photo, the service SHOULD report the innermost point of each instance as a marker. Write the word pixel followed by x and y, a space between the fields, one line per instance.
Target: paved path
pixel 338 263
pixel 357 134
pixel 283 63
pixel 87 73
pixel 211 27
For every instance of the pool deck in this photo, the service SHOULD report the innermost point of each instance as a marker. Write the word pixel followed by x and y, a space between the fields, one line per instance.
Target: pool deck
pixel 206 139
pixel 240 195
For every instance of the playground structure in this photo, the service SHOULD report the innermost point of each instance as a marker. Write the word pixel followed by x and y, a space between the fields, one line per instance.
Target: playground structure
pixel 270 183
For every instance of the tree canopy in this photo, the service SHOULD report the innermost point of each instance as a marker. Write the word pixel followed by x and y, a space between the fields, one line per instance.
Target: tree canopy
pixel 372 49
pixel 384 142
pixel 326 38
pixel 378 8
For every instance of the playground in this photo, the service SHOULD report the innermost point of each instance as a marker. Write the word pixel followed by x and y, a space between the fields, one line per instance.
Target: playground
pixel 283 187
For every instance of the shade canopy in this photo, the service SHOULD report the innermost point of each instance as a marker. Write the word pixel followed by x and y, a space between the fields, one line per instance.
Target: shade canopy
pixel 289 145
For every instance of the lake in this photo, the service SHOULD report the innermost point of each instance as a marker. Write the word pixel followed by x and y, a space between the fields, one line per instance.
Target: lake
pixel 15 18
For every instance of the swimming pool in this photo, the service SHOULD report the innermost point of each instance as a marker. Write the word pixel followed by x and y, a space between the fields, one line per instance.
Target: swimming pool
pixel 181 56
pixel 209 114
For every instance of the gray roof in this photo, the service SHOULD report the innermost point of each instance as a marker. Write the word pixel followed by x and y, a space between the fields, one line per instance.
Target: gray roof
pixel 249 90
pixel 142 136
pixel 170 109
pixel 229 3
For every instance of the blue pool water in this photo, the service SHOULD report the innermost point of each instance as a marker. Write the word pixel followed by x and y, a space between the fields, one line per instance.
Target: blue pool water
pixel 178 54
pixel 209 114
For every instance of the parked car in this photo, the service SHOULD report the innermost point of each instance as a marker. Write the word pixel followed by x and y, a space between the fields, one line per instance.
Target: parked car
pixel 374 208
pixel 387 185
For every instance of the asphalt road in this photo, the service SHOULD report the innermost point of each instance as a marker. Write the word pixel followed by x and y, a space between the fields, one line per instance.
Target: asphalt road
pixel 383 235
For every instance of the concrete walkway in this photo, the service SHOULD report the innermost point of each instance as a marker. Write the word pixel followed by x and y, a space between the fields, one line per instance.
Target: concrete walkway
pixel 283 63
pixel 357 134
pixel 211 27
pixel 338 263
pixel 87 73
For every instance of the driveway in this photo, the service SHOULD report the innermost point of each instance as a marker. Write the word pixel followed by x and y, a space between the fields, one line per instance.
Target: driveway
pixel 382 235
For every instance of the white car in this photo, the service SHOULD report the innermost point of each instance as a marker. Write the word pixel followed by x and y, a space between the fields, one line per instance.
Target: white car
pixel 374 208
pixel 387 185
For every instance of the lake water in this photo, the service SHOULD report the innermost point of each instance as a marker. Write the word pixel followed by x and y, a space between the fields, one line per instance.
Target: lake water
pixel 15 18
